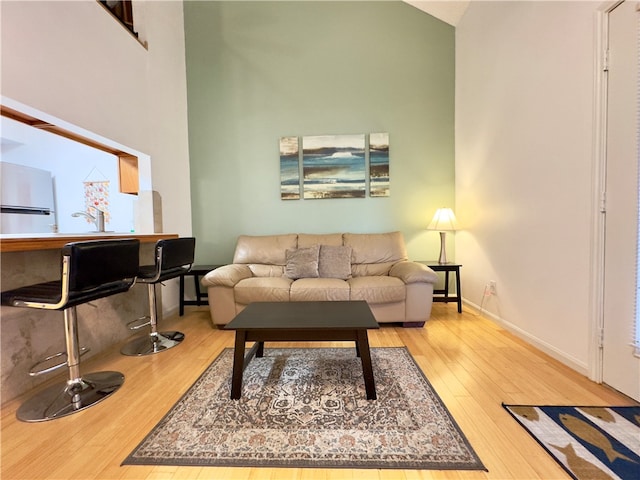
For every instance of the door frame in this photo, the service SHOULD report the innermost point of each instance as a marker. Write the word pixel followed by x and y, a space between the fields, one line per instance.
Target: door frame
pixel 596 324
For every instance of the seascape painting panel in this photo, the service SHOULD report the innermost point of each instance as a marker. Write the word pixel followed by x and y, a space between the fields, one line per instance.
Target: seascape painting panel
pixel 334 166
pixel 289 169
pixel 379 164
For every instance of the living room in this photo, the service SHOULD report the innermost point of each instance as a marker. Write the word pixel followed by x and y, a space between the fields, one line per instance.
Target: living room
pixel 494 118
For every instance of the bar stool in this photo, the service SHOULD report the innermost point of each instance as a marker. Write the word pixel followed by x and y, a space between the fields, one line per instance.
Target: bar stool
pixel 90 270
pixel 173 258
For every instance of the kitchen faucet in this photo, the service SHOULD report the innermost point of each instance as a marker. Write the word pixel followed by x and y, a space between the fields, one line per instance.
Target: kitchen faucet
pixel 98 219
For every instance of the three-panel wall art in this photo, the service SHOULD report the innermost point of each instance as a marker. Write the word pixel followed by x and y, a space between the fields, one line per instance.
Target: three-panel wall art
pixel 334 166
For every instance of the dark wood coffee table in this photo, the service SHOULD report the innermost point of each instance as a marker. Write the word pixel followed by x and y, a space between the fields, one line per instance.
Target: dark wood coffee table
pixel 301 321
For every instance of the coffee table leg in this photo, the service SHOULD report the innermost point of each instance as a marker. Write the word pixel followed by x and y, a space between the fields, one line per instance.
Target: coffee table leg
pixel 238 364
pixel 260 350
pixel 367 367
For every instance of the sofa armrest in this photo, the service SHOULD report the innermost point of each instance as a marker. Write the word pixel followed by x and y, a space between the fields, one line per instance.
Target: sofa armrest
pixel 413 272
pixel 226 276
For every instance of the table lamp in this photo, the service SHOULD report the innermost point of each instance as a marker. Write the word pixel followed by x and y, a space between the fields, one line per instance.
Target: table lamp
pixel 443 221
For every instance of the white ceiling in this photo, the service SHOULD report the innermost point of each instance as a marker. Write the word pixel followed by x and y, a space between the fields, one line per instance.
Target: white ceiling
pixel 449 11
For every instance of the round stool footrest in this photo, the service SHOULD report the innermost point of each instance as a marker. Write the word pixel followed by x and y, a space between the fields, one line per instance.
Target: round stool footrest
pixel 135 325
pixel 36 370
pixel 59 401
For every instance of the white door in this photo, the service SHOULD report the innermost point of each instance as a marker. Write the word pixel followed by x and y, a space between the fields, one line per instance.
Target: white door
pixel 621 369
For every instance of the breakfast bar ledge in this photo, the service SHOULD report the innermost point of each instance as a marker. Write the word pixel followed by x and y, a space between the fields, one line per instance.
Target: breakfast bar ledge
pixel 23 242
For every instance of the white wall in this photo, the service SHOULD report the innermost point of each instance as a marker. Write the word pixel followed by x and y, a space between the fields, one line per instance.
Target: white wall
pixel 73 61
pixel 166 118
pixel 524 167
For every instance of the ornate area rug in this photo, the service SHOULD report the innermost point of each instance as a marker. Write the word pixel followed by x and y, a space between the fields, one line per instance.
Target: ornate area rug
pixel 308 408
pixel 589 442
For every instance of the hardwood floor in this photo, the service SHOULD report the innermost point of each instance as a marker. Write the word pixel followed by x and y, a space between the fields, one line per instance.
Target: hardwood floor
pixel 473 364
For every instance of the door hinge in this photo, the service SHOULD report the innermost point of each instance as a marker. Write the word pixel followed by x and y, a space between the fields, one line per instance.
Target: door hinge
pixel 605 60
pixel 603 202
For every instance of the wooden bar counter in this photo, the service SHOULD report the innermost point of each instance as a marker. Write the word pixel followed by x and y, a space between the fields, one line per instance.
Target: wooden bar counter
pixel 23 242
pixel 27 335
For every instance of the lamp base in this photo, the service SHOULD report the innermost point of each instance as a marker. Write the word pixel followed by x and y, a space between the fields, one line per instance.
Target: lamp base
pixel 443 248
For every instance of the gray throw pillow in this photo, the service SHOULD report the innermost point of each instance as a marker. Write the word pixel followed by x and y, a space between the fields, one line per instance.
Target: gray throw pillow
pixel 302 262
pixel 335 262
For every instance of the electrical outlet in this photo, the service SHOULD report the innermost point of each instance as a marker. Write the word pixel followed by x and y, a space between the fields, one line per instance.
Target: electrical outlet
pixel 492 287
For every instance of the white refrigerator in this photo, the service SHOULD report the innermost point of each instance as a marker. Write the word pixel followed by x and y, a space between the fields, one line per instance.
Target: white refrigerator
pixel 26 204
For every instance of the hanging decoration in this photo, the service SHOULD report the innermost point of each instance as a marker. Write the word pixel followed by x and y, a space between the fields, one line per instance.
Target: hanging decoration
pixel 96 195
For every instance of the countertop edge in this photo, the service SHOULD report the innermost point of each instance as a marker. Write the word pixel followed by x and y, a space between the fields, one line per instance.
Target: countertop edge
pixel 24 243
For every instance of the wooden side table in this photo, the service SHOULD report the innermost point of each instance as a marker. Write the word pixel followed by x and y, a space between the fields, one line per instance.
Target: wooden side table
pixel 446 268
pixel 201 297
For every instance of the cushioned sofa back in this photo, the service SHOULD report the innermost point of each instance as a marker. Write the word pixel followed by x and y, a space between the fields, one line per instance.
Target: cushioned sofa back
pixel 375 253
pixel 306 240
pixel 371 254
pixel 266 254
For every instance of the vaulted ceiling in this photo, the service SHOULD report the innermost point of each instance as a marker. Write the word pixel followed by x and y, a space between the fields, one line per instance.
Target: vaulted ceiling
pixel 449 11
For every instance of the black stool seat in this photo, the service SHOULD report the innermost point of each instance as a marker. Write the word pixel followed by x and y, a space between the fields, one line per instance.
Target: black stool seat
pixel 149 273
pixel 173 258
pixel 90 271
pixel 51 293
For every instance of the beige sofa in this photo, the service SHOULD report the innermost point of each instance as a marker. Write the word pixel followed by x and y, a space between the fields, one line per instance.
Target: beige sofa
pixel 312 267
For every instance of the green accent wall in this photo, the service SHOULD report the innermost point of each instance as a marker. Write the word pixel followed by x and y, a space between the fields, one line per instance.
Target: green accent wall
pixel 257 71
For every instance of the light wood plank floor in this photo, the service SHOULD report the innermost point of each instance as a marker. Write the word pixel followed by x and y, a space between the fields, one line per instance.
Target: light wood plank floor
pixel 473 364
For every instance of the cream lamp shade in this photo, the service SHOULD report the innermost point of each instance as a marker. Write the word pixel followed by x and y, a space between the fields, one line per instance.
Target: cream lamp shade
pixel 443 221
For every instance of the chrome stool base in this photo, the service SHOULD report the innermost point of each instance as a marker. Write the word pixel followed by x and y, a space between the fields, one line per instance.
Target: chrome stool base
pixel 61 400
pixel 150 344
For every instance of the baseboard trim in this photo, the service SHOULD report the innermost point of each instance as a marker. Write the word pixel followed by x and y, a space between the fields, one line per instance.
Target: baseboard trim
pixel 541 345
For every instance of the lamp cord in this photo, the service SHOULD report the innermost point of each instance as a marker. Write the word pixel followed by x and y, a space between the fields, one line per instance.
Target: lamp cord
pixel 486 293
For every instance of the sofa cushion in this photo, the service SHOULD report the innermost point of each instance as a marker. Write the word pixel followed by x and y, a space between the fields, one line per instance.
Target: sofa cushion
pixel 375 253
pixel 377 289
pixel 262 270
pixel 267 249
pixel 319 289
pixel 371 269
pixel 310 239
pixel 262 289
pixel 302 262
pixel 334 261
